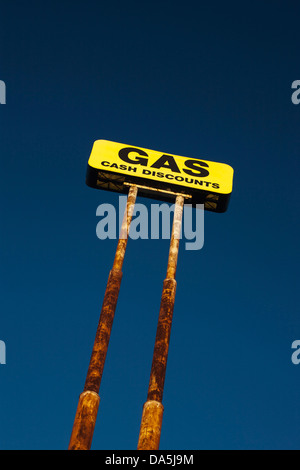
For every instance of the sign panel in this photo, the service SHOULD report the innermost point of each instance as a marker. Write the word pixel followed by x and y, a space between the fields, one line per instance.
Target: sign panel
pixel 112 164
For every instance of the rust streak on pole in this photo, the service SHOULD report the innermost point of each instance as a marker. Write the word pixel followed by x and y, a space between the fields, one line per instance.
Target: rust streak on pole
pixel 86 414
pixel 150 429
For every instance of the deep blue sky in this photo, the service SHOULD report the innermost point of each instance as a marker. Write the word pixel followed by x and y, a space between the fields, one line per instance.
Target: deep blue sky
pixel 199 79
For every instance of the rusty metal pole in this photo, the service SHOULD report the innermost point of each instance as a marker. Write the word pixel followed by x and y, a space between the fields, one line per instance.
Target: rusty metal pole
pixel 151 422
pixel 86 414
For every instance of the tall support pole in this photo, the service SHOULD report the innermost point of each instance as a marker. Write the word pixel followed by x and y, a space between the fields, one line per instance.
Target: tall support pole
pixel 86 414
pixel 151 422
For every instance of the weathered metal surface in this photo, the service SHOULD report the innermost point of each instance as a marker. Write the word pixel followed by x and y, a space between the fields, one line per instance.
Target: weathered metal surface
pixel 96 366
pixel 158 191
pixel 162 340
pixel 102 338
pixel 85 420
pixel 151 425
pixel 124 232
pixel 82 433
pixel 176 233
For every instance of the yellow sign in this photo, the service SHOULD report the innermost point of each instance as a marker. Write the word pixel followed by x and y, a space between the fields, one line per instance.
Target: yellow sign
pixel 111 164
